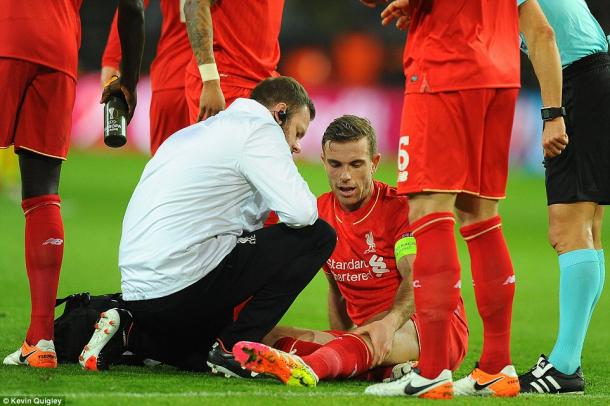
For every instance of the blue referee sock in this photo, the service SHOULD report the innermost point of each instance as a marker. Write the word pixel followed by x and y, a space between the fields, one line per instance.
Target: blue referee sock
pixel 602 278
pixel 579 284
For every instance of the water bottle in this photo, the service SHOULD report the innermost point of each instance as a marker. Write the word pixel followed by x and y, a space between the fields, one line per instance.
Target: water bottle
pixel 115 121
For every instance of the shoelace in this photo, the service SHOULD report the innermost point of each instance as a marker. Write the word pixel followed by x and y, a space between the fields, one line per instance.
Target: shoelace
pixel 287 356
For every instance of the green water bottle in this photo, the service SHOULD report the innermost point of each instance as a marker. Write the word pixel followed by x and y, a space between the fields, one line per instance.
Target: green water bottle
pixel 115 121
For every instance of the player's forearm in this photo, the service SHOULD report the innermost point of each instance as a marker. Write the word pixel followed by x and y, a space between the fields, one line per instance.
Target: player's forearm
pixel 199 29
pixel 403 306
pixel 112 52
pixel 547 65
pixel 131 31
pixel 337 313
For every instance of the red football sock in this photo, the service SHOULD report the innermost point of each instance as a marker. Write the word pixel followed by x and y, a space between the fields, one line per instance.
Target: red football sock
pixel 301 348
pixel 343 357
pixel 436 279
pixel 44 250
pixel 494 288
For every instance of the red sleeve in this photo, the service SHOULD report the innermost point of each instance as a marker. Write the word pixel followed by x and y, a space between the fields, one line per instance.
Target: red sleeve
pixel 401 210
pixel 112 52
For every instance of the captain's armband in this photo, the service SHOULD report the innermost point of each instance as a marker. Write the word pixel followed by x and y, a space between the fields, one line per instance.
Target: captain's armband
pixel 405 246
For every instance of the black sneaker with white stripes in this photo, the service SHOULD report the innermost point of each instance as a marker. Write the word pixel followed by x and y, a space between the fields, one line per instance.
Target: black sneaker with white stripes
pixel 544 378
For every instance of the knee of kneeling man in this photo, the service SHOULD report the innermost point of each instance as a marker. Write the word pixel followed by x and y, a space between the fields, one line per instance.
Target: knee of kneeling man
pixel 325 234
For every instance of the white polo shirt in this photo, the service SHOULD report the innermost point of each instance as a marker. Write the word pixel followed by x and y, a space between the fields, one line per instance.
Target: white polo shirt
pixel 204 186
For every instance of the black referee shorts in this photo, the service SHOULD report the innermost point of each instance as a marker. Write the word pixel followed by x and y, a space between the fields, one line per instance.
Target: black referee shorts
pixel 581 173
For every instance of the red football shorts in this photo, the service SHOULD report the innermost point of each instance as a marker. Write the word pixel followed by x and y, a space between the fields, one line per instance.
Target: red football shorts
pixel 168 114
pixel 458 336
pixel 37 108
pixel 456 142
pixel 193 86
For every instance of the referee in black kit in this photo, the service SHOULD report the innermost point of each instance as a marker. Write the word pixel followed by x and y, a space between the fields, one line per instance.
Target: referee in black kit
pixel 577 186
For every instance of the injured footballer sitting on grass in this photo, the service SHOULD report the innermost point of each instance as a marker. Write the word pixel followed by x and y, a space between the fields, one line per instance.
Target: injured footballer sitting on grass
pixel 371 307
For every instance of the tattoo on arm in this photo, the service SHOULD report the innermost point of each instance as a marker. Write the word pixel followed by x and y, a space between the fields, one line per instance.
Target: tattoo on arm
pixel 200 30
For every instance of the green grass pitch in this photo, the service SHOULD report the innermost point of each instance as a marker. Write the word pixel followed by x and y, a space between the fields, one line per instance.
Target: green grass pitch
pixel 96 187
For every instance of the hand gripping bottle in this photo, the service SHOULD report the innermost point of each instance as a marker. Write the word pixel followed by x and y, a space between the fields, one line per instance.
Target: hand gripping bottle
pixel 115 121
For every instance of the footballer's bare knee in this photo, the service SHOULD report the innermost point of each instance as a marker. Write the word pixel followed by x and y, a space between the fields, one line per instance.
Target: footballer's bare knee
pixel 39 174
pixel 472 209
pixel 405 345
pixel 314 336
pixel 422 204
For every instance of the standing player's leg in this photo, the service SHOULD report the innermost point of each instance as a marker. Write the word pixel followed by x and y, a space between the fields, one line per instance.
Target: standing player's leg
pixel 597 244
pixel 577 183
pixel 571 235
pixel 168 114
pixel 41 139
pixel 436 277
pixel 44 238
pixel 494 287
pixel 192 89
pixel 492 270
pixel 432 178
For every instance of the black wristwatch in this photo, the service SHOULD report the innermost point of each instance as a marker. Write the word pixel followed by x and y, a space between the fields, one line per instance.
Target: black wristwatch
pixel 551 113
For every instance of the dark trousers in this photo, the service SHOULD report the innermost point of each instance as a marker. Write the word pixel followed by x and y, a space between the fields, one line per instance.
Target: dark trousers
pixel 271 266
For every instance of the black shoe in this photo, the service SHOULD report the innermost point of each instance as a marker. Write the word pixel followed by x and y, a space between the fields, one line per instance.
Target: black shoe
pixel 109 340
pixel 544 378
pixel 223 362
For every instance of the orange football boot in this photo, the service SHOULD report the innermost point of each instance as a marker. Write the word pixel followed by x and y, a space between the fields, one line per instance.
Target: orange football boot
pixel 479 383
pixel 41 355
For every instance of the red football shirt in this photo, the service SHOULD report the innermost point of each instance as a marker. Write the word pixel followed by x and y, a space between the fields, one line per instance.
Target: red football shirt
pixel 173 50
pixel 463 44
pixel 246 46
pixel 45 32
pixel 363 263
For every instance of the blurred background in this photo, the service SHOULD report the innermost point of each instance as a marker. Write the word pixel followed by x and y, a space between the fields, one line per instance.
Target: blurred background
pixel 338 49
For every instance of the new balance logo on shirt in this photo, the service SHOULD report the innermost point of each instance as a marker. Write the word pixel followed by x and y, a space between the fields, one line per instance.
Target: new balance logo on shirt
pixel 509 280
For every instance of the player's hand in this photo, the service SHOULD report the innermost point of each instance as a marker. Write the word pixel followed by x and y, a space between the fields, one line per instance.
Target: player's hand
pixel 554 137
pixel 382 335
pixel 107 73
pixel 212 100
pixel 398 9
pixel 372 3
pixel 114 86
